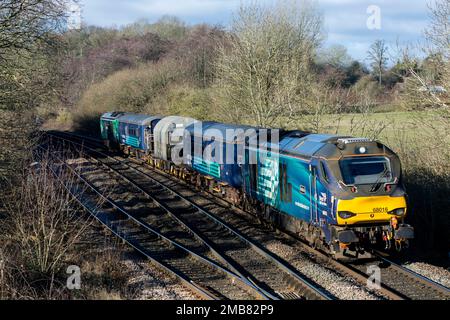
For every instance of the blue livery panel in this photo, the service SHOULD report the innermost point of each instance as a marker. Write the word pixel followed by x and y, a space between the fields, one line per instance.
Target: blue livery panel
pixel 206 167
pixel 212 162
pixel 132 135
pixel 292 186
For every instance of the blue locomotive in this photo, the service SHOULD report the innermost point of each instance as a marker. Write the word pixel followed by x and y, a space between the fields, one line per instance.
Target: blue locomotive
pixel 340 193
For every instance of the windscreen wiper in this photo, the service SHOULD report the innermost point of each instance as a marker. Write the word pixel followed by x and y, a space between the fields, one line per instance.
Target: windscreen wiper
pixel 376 186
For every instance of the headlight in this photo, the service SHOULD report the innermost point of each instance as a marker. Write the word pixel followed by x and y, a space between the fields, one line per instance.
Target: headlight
pixel 346 214
pixel 398 212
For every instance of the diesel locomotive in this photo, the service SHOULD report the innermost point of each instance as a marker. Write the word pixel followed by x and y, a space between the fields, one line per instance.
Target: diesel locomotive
pixel 341 194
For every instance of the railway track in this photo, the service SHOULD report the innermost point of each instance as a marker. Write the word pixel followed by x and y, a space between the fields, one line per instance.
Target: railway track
pixel 271 276
pixel 410 285
pixel 397 282
pixel 205 277
pixel 245 222
pixel 403 282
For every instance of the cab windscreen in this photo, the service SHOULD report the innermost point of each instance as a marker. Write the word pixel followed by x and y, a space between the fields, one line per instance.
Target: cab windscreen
pixel 366 170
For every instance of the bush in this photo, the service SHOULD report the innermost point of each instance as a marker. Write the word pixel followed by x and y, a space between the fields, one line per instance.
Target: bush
pixel 42 224
pixel 43 231
pixel 370 87
pixel 191 102
pixel 134 90
pixel 428 202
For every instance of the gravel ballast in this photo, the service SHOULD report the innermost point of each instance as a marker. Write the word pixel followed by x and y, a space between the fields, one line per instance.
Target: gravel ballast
pixel 437 274
pixel 150 283
pixel 340 286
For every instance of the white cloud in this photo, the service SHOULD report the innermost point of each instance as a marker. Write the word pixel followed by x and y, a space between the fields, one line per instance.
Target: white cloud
pixel 185 7
pixel 345 20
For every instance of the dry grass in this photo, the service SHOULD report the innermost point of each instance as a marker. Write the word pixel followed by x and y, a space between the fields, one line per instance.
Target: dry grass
pixel 104 274
pixel 43 232
pixel 41 224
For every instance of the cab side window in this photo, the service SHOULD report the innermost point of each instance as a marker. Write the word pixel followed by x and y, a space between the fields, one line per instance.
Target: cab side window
pixel 285 187
pixel 324 173
pixel 132 132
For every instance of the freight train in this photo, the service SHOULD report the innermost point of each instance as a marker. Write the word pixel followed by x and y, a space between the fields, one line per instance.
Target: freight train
pixel 341 194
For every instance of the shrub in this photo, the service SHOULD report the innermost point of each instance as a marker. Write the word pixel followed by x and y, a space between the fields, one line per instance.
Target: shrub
pixel 133 90
pixel 41 225
pixel 191 102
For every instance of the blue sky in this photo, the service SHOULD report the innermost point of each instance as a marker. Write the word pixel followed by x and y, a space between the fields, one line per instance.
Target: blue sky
pixel 345 20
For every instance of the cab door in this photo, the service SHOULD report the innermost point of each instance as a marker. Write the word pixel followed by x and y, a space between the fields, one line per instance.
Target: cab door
pixel 111 134
pixel 315 219
pixel 148 138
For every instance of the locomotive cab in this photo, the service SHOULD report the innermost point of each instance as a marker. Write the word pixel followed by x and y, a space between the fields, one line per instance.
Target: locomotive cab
pixel 369 200
pixel 109 129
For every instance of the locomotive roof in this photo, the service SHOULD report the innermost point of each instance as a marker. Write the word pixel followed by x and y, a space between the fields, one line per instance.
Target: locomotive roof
pixel 177 120
pixel 220 126
pixel 138 119
pixel 328 146
pixel 112 115
pixel 305 146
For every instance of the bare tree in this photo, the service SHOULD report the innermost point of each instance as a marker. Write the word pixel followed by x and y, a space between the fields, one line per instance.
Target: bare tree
pixel 335 55
pixel 424 146
pixel 425 91
pixel 428 82
pixel 24 22
pixel 29 43
pixel 264 68
pixel 438 32
pixel 378 55
pixel 198 52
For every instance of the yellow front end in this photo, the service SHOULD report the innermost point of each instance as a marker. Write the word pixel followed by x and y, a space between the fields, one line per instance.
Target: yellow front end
pixel 370 209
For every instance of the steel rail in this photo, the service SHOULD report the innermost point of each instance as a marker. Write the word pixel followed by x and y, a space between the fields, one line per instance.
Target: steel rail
pixel 360 277
pixel 345 268
pixel 192 284
pixel 205 241
pixel 440 289
pixel 232 266
pixel 262 251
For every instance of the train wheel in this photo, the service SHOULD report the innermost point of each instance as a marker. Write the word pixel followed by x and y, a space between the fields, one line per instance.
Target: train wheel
pixel 400 245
